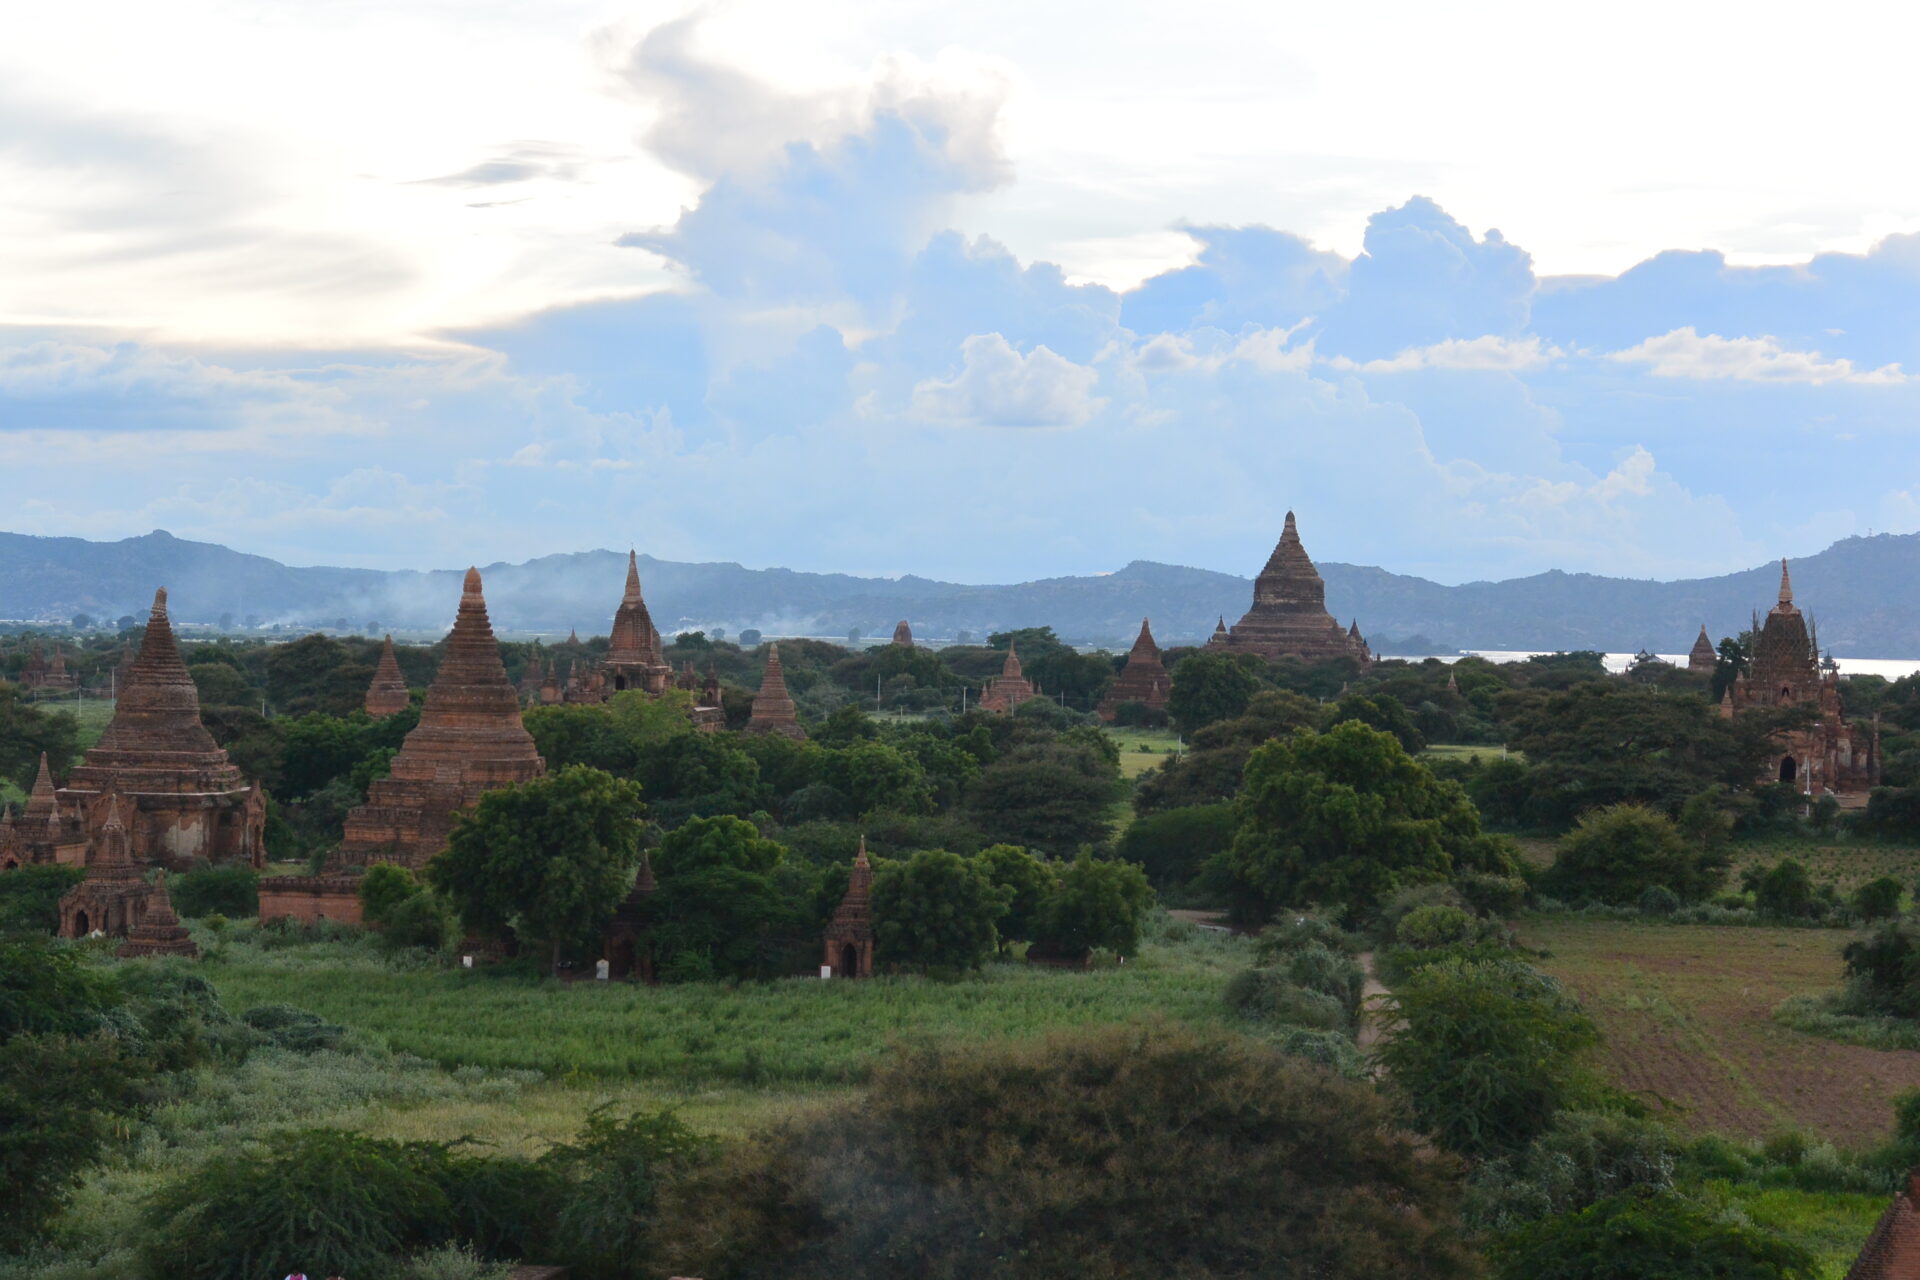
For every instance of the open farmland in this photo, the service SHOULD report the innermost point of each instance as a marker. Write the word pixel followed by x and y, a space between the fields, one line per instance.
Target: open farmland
pixel 1687 1015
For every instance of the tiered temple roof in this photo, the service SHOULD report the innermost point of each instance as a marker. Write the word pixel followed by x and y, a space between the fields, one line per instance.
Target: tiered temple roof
pixel 469 741
pixel 1703 656
pixel 1892 1250
pixel 158 932
pixel 1289 617
pixel 635 658
pixel 1010 688
pixel 1143 679
pixel 113 896
pixel 773 709
pixel 186 800
pixel 388 693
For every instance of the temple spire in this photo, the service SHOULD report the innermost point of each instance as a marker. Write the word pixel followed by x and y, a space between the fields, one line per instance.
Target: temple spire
pixel 41 802
pixel 633 577
pixel 1786 585
pixel 773 709
pixel 388 693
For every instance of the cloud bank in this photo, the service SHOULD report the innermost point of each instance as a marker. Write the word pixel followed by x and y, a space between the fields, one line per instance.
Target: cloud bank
pixel 840 377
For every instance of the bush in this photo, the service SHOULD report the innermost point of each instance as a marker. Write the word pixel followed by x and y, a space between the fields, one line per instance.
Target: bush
pixel 1877 899
pixel 1617 853
pixel 1488 1053
pixel 1658 900
pixel 292 1028
pixel 1269 995
pixel 424 920
pixel 1785 891
pixel 1434 925
pixel 1633 1236
pixel 613 1171
pixel 385 886
pixel 30 897
pixel 1585 1157
pixel 1172 845
pixel 322 1201
pixel 1118 1153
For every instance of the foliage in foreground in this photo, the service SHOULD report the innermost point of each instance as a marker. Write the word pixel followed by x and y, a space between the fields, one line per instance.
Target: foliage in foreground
pixel 1116 1153
pixel 1644 1237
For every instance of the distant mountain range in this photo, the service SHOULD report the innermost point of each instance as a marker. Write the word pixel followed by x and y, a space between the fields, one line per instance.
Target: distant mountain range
pixel 1859 591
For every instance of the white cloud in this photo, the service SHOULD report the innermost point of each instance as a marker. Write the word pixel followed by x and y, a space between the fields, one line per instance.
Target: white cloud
pixel 1490 353
pixel 999 387
pixel 1684 353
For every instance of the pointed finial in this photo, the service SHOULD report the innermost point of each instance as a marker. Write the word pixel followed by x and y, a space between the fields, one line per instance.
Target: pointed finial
pixel 633 577
pixel 860 856
pixel 1786 584
pixel 160 602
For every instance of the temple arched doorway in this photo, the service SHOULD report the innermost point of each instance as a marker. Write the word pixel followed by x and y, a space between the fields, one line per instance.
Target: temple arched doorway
pixel 1788 769
pixel 619 684
pixel 849 966
pixel 81 925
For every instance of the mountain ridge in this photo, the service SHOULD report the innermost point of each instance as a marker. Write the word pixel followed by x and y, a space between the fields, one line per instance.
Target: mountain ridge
pixel 1854 590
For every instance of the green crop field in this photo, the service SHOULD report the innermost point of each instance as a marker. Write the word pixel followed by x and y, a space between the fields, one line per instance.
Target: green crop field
pixel 1142 749
pixel 795 1032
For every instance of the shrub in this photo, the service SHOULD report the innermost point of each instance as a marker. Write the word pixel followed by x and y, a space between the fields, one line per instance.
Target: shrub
pixel 1269 995
pixel 1298 929
pixel 1119 1153
pixel 421 920
pixel 1488 1052
pixel 1332 973
pixel 1785 891
pixel 385 886
pixel 292 1028
pixel 613 1171
pixel 1492 895
pixel 1173 845
pixel 1029 883
pixel 1883 967
pixel 1434 925
pixel 322 1201
pixel 1584 1157
pixel 1658 900
pixel 1617 853
pixel 30 897
pixel 1632 1236
pixel 1877 899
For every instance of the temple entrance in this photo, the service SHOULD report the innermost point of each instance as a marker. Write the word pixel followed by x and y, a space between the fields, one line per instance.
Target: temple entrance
pixel 619 683
pixel 849 966
pixel 81 925
pixel 1788 769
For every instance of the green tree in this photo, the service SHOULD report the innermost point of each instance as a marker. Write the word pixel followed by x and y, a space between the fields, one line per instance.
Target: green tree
pixel 1028 881
pixel 316 673
pixel 1785 890
pixel 1487 1053
pixel 936 910
pixel 30 897
pixel 722 908
pixel 1617 853
pixel 61 1099
pixel 1383 712
pixel 551 857
pixel 384 887
pixel 1637 1236
pixel 1126 1153
pixel 1877 899
pixel 1347 817
pixel 1049 797
pixel 26 731
pixel 1172 846
pixel 875 775
pixel 1208 687
pixel 221 685
pixel 1098 904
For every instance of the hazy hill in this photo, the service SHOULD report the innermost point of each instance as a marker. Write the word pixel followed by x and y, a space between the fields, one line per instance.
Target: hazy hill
pixel 1857 591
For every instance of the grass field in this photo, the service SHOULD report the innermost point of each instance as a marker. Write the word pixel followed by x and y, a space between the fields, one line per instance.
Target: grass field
pixel 1142 749
pixel 1449 751
pixel 796 1032
pixel 1848 864
pixel 1687 1015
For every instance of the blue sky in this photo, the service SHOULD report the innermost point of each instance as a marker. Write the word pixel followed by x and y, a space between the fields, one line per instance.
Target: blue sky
pixel 983 296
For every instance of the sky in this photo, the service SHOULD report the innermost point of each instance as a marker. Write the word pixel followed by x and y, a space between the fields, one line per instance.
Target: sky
pixel 986 293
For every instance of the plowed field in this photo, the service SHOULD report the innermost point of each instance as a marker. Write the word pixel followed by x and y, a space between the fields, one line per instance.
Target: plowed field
pixel 1687 1015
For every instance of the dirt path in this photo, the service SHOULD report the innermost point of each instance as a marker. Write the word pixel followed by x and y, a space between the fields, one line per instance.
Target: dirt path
pixel 1372 1019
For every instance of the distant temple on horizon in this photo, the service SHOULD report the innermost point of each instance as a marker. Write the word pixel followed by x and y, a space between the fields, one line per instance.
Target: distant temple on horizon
pixel 1828 756
pixel 1144 679
pixel 1289 617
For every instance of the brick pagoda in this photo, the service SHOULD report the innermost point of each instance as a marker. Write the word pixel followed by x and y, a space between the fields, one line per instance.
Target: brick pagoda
pixel 113 897
pixel 469 741
pixel 158 931
pixel 903 635
pixel 1703 656
pixel 635 657
pixel 1010 688
pixel 44 833
pixel 184 799
pixel 773 710
pixel 388 693
pixel 1829 756
pixel 1289 618
pixel 849 936
pixel 1143 679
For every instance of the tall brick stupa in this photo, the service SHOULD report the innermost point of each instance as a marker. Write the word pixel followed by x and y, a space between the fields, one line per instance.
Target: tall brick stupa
pixel 185 800
pixel 469 741
pixel 1144 678
pixel 388 693
pixel 1289 618
pixel 773 709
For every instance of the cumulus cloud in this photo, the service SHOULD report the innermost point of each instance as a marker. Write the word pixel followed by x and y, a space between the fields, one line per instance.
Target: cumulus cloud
pixel 999 387
pixel 1489 353
pixel 1684 353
